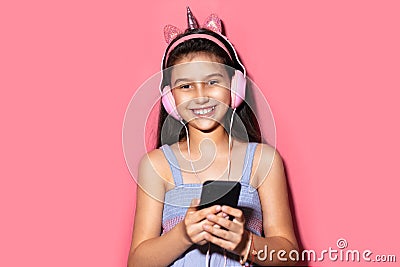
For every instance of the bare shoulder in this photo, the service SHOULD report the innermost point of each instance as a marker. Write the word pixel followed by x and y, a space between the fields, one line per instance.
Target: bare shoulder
pixel 154 171
pixel 268 152
pixel 154 159
pixel 267 161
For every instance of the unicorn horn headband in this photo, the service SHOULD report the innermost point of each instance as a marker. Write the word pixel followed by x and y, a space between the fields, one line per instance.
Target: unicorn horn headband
pixel 212 23
pixel 192 23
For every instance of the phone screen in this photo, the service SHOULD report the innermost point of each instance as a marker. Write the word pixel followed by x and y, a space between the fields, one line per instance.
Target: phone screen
pixel 219 193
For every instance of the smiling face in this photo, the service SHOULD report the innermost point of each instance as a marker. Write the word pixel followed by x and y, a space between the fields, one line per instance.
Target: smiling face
pixel 201 89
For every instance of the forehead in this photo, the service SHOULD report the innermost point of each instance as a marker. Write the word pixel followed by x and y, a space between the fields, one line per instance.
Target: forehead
pixel 197 67
pixel 198 56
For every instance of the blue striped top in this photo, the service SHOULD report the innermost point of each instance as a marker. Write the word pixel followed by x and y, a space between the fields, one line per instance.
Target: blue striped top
pixel 178 199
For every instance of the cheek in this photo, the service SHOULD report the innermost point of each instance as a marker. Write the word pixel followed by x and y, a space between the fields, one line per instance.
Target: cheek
pixel 181 98
pixel 223 96
pixel 177 96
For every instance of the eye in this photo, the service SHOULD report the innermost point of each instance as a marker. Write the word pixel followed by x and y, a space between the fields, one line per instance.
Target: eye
pixel 185 86
pixel 212 82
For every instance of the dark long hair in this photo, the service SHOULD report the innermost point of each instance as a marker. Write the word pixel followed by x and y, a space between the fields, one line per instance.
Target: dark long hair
pixel 167 132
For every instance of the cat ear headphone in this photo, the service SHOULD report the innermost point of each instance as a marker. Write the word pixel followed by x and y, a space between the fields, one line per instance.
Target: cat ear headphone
pixel 213 23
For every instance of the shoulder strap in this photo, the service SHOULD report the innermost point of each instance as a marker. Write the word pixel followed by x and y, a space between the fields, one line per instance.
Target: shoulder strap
pixel 173 164
pixel 248 162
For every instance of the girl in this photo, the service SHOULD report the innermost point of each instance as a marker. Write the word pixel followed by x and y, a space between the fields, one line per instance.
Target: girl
pixel 199 144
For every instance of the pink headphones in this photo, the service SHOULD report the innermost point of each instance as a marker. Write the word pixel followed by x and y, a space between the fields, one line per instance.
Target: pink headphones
pixel 212 23
pixel 238 82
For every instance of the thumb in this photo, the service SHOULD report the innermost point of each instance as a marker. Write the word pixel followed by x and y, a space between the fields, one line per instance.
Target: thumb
pixel 193 204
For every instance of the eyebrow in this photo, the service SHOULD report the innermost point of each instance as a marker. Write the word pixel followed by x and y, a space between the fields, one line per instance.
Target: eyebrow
pixel 208 76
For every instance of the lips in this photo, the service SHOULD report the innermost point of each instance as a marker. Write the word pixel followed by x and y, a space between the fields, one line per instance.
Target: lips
pixel 203 111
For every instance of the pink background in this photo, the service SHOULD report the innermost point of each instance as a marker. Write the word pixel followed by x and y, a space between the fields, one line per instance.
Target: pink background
pixel 330 71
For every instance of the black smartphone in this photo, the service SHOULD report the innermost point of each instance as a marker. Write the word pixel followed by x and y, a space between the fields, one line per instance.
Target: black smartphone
pixel 219 193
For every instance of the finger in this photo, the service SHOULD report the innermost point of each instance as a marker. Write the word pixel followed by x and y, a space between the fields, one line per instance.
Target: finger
pixel 189 219
pixel 221 233
pixel 202 214
pixel 237 213
pixel 193 205
pixel 207 222
pixel 195 231
pixel 222 214
pixel 226 216
pixel 220 242
pixel 199 238
pixel 226 223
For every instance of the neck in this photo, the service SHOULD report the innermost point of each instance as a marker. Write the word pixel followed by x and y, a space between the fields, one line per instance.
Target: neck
pixel 208 142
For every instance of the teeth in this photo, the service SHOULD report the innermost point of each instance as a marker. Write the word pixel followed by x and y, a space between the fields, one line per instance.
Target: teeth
pixel 203 111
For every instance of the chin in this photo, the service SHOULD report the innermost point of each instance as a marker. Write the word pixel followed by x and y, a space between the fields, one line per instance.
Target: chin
pixel 205 125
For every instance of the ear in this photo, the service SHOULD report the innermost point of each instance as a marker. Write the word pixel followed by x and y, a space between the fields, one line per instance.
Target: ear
pixel 213 23
pixel 170 32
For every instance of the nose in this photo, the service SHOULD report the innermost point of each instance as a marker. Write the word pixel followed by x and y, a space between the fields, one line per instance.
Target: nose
pixel 201 96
